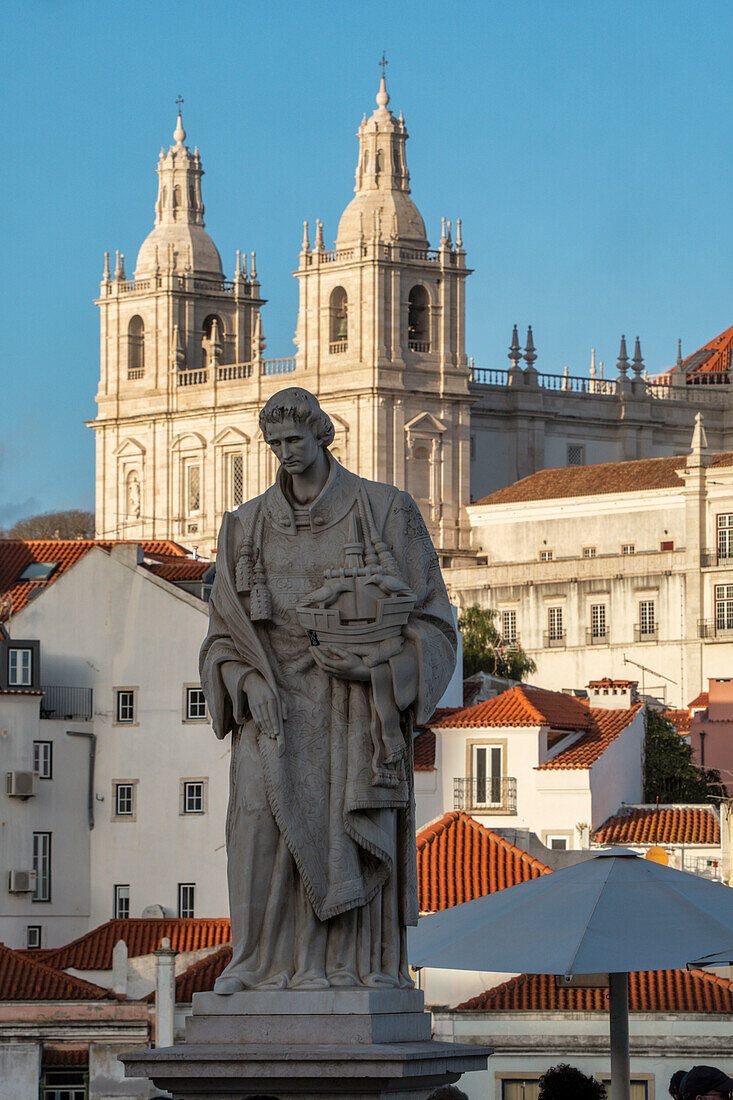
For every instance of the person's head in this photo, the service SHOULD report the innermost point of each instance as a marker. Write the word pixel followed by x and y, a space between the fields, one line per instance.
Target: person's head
pixel 296 428
pixel 447 1092
pixel 705 1083
pixel 565 1082
pixel 674 1083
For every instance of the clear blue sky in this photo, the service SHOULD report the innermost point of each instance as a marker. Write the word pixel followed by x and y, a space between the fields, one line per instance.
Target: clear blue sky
pixel 587 147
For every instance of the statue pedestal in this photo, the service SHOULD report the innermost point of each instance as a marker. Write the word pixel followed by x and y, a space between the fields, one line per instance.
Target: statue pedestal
pixel 352 1044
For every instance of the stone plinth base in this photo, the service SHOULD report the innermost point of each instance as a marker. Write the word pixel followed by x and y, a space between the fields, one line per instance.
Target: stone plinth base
pixel 287 1045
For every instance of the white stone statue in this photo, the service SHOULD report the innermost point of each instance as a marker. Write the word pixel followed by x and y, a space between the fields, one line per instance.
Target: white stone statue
pixel 330 634
pixel 133 495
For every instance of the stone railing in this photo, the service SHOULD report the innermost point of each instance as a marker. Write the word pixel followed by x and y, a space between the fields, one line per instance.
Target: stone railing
pixel 712 394
pixel 336 347
pixel 419 345
pixel 134 373
pixel 233 372
pixel 278 366
pixel 192 377
pixel 214 285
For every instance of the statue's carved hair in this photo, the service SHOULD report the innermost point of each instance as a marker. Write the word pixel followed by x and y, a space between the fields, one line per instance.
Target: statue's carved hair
pixel 302 407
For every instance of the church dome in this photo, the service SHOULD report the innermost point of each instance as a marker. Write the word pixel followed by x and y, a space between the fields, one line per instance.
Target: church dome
pixel 397 213
pixel 192 246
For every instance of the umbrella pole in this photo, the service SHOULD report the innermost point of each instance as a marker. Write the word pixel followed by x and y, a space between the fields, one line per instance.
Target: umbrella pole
pixel 619 1029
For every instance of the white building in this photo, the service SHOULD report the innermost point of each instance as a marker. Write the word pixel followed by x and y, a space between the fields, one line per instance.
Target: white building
pixel 588 566
pixel 127 762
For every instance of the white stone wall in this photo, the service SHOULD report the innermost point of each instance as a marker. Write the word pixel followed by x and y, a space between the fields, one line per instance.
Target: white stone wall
pixel 20 1067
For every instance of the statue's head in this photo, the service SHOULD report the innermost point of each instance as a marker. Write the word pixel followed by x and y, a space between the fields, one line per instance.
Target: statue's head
pixel 295 427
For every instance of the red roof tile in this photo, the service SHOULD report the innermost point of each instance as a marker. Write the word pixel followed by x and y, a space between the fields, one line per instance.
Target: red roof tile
pixel 666 825
pixel 700 701
pixel 600 479
pixel 17 554
pixel 712 358
pixel 93 951
pixel 424 751
pixel 607 682
pixel 649 991
pixel 458 859
pixel 200 976
pixel 521 706
pixel 607 725
pixel 192 569
pixel 680 719
pixel 65 1056
pixel 26 979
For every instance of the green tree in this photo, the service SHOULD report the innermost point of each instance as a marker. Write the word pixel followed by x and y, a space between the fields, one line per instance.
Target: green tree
pixel 669 773
pixel 484 649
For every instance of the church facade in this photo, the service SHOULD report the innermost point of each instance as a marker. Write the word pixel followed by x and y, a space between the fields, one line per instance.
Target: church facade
pixel 380 340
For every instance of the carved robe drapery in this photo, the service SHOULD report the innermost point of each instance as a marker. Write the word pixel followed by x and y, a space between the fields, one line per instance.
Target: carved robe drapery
pixel 322 877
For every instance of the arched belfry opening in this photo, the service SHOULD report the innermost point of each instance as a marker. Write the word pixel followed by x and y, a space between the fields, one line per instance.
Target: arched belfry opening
pixel 418 319
pixel 339 322
pixel 136 347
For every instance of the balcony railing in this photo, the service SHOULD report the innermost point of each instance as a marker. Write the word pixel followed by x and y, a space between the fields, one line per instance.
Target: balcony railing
pixel 554 639
pixel 493 795
pixel 72 704
pixel 135 372
pixel 709 559
pixel 645 633
pixel 596 637
pixel 710 630
pixel 419 345
pixel 336 347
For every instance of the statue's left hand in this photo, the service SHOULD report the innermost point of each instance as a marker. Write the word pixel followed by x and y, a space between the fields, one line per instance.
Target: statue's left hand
pixel 341 663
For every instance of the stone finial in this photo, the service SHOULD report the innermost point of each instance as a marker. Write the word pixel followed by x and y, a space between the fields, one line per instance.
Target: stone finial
pixel 122 266
pixel 238 265
pixel 119 968
pixel 443 237
pixel 600 370
pixel 565 377
pixel 699 442
pixel 244 265
pixel 449 242
pixel 637 362
pixel 515 352
pixel 179 352
pixel 382 96
pixel 459 235
pixel 253 271
pixel 530 354
pixel 592 362
pixel 305 247
pixel 105 274
pixel 623 359
pixel 117 263
pixel 678 364
pixel 319 236
pixel 179 134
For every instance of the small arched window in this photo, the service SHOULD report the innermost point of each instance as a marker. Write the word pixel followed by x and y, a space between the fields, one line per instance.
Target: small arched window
pixel 339 323
pixel 136 347
pixel 418 319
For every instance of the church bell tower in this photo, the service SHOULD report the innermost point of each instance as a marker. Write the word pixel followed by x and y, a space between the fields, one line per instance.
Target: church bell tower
pixel 381 334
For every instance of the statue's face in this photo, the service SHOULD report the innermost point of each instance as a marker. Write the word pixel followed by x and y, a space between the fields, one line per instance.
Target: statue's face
pixel 295 445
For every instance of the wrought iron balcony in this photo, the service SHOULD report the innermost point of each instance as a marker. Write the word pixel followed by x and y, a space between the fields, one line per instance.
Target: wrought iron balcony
pixel 72 704
pixel 709 559
pixel 493 795
pixel 554 639
pixel 645 633
pixel 711 630
pixel 596 637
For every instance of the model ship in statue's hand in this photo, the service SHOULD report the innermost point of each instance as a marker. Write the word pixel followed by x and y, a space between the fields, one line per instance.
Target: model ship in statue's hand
pixel 322 651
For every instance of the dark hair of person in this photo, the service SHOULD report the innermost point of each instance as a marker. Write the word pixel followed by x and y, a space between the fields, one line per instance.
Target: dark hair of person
pixel 447 1092
pixel 674 1083
pixel 565 1082
pixel 301 407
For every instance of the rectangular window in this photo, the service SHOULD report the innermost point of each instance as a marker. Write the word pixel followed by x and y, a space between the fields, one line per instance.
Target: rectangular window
pixel 546 555
pixel 557 842
pixel 576 454
pixel 589 551
pixel 20 666
pixel 524 1089
pixel 43 759
pixel 193 796
pixel 647 618
pixel 598 620
pixel 554 623
pixel 668 545
pixel 724 607
pixel 125 706
pixel 122 902
pixel 33 935
pixel 725 536
pixel 195 704
pixel 628 548
pixel 509 626
pixel 124 799
pixel 186 899
pixel 487 774
pixel 193 489
pixel 236 479
pixel 42 866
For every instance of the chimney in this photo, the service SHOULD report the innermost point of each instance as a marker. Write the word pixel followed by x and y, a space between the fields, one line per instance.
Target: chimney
pixel 165 993
pixel 128 553
pixel 119 968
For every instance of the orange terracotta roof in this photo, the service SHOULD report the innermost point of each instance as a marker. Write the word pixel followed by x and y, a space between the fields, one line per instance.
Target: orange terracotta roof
pixel 58 1056
pixel 700 701
pixel 649 991
pixel 666 825
pixel 712 358
pixel 424 751
pixel 680 719
pixel 600 479
pixel 26 979
pixel 93 951
pixel 17 554
pixel 521 706
pixel 200 976
pixel 458 859
pixel 192 569
pixel 607 682
pixel 606 726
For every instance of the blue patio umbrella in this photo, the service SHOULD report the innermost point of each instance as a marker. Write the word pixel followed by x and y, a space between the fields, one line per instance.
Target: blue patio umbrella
pixel 612 913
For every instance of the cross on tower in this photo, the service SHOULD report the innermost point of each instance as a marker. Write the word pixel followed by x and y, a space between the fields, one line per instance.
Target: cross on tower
pixel 383 63
pixel 179 103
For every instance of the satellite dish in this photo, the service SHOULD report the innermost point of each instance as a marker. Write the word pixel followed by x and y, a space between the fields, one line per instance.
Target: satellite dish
pixel 154 912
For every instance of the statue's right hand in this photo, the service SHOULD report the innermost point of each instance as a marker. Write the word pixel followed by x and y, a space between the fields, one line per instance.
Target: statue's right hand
pixel 263 704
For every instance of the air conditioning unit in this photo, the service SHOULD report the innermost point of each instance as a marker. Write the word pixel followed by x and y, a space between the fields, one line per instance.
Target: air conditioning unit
pixel 20 784
pixel 22 882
